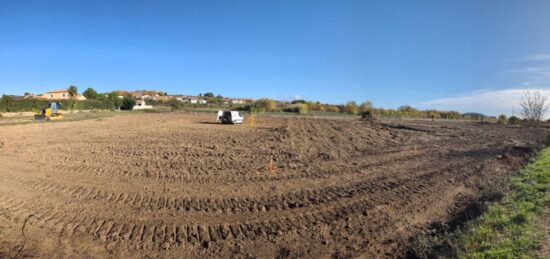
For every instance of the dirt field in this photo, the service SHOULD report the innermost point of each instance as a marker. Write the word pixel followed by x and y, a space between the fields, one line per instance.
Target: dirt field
pixel 178 185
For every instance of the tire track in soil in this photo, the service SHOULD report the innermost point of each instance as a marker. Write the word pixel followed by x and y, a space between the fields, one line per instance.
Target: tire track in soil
pixel 365 172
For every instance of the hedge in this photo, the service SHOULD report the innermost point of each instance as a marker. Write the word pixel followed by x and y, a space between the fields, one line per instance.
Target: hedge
pixel 27 105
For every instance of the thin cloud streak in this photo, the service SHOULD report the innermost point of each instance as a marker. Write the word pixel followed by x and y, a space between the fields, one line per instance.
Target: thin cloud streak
pixel 491 103
pixel 538 57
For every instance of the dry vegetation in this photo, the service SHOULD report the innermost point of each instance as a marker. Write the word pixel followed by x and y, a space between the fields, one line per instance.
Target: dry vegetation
pixel 177 185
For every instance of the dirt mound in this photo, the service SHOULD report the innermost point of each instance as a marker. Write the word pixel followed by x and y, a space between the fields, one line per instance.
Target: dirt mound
pixel 172 186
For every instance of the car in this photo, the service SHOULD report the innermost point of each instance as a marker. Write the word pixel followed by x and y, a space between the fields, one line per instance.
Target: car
pixel 230 117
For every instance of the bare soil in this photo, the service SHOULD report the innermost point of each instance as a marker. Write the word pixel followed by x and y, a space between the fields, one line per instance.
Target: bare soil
pixel 178 185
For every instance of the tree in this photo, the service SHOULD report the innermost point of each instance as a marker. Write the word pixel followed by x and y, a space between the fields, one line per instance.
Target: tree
pixel 128 103
pixel 6 100
pixel 113 98
pixel 175 104
pixel 73 90
pixel 265 105
pixel 351 108
pixel 298 101
pixel 209 95
pixel 502 119
pixel 302 108
pixel 27 94
pixel 90 93
pixel 533 106
pixel 513 120
pixel 365 107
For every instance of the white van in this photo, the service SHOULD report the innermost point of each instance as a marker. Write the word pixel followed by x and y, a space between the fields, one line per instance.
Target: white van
pixel 232 117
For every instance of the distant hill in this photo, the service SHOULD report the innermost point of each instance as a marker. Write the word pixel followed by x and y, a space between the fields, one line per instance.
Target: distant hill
pixel 476 115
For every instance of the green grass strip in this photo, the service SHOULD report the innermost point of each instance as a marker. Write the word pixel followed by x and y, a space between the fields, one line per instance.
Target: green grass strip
pixel 508 229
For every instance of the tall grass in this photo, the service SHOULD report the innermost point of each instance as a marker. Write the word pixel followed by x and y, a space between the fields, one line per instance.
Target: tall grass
pixel 509 229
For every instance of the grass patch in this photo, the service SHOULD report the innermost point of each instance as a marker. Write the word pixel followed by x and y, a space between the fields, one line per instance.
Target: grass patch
pixel 508 229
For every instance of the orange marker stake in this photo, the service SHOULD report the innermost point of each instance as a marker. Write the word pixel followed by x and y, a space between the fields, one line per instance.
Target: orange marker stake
pixel 270 166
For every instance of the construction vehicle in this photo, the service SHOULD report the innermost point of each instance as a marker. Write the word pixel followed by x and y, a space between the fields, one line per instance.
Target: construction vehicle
pixel 230 117
pixel 49 114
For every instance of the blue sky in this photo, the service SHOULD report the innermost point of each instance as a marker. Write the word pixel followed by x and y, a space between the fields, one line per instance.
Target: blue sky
pixel 422 53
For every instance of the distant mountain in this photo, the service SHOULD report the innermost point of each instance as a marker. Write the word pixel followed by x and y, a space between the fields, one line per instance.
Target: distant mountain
pixel 474 115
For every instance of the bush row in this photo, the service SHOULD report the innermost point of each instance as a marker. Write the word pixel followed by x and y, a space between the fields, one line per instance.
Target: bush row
pixel 26 105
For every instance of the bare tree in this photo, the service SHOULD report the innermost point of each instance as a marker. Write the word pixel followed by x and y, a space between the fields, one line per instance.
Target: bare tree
pixel 533 106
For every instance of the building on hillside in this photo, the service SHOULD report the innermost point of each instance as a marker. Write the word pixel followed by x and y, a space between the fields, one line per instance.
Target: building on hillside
pixel 141 105
pixel 197 101
pixel 163 98
pixel 60 94
pixel 81 98
pixel 237 101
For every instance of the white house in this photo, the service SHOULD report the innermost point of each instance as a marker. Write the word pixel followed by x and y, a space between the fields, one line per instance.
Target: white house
pixel 141 105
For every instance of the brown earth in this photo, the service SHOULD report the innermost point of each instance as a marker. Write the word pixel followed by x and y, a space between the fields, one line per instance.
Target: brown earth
pixel 177 185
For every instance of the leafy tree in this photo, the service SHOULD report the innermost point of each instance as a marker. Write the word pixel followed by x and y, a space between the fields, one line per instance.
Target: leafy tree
pixel 513 120
pixel 27 93
pixel 209 95
pixel 113 98
pixel 90 93
pixel 332 108
pixel 175 104
pixel 73 90
pixel 302 108
pixel 6 101
pixel 128 103
pixel 365 107
pixel 351 108
pixel 298 101
pixel 265 105
pixel 502 119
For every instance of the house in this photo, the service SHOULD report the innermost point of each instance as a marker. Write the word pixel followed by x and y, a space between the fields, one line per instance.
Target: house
pixel 163 98
pixel 81 98
pixel 61 94
pixel 141 105
pixel 198 101
pixel 237 101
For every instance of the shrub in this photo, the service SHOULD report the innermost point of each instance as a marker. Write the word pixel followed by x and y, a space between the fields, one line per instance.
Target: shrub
pixel 302 108
pixel 513 120
pixel 333 108
pixel 175 104
pixel 128 103
pixel 113 98
pixel 502 119
pixel 265 105
pixel 366 106
pixel 351 108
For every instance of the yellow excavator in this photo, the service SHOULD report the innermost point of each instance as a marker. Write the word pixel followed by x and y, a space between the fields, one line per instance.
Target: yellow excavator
pixel 50 114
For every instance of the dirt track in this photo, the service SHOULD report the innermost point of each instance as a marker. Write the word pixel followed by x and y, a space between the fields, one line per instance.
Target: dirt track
pixel 177 185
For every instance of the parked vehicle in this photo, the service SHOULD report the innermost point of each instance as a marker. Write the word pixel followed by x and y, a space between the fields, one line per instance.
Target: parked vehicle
pixel 230 117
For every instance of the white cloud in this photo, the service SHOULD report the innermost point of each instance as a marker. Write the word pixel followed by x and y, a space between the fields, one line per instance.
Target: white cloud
pixel 493 102
pixel 538 57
